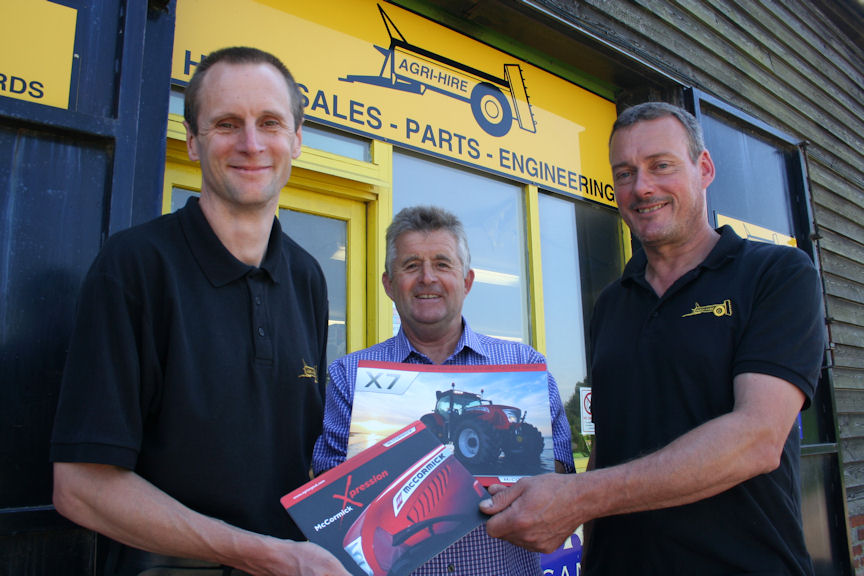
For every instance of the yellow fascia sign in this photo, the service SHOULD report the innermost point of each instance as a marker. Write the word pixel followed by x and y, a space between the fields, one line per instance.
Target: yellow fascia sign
pixel 37 43
pixel 754 232
pixel 388 74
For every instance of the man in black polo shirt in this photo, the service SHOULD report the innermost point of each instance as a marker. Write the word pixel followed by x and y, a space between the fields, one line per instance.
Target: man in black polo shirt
pixel 192 395
pixel 702 356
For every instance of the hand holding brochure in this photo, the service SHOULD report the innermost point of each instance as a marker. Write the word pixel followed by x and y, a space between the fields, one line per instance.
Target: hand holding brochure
pixel 392 507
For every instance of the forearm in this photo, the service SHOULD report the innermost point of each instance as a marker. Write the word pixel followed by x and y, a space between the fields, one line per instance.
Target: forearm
pixel 119 504
pixel 704 462
pixel 711 458
pixel 123 506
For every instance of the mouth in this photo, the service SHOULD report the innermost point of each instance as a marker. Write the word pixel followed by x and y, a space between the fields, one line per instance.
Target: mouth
pixel 251 169
pixel 427 296
pixel 649 209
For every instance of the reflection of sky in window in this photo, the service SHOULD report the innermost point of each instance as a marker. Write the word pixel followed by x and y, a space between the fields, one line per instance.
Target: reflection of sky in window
pixel 562 297
pixel 491 212
pixel 750 182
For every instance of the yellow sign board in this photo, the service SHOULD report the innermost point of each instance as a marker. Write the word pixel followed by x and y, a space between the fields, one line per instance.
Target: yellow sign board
pixel 389 74
pixel 37 43
pixel 754 232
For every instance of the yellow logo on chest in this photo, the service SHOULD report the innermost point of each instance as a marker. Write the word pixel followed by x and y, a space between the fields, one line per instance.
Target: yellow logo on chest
pixel 724 309
pixel 309 372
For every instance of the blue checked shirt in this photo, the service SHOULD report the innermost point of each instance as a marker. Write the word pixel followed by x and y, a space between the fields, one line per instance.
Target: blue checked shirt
pixel 476 554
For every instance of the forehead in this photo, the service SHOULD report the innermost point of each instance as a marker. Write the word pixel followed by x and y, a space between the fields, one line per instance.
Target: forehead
pixel 227 86
pixel 434 244
pixel 648 138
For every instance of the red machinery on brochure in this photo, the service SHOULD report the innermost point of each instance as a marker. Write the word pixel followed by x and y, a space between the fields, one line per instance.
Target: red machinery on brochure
pixel 495 417
pixel 392 507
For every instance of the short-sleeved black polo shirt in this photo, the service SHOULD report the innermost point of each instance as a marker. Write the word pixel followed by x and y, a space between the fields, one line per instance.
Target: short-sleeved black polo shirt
pixel 662 366
pixel 201 373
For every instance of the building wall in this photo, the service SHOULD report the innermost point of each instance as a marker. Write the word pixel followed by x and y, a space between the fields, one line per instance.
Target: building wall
pixel 798 66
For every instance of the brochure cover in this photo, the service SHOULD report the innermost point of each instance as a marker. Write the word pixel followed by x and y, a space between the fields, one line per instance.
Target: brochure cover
pixel 392 507
pixel 496 418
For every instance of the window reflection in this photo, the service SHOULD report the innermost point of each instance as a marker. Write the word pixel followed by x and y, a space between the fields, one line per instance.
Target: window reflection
pixel 325 239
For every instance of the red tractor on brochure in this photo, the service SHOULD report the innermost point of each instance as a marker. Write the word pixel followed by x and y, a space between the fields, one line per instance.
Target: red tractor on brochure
pixel 481 431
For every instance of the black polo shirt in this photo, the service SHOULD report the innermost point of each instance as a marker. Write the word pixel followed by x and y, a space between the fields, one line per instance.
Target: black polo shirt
pixel 662 366
pixel 201 373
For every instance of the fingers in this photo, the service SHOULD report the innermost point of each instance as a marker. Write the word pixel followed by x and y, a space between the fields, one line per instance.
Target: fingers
pixel 502 497
pixel 529 514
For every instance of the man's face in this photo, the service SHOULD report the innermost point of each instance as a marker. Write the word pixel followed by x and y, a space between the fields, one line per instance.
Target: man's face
pixel 246 137
pixel 660 192
pixel 427 284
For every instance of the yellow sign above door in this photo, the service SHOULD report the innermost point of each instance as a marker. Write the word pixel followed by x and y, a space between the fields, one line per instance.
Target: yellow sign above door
pixel 388 74
pixel 37 43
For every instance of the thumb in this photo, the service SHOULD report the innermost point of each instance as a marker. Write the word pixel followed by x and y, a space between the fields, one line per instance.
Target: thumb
pixel 501 498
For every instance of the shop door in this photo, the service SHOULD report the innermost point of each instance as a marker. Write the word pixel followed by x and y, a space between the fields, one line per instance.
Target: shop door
pixel 331 228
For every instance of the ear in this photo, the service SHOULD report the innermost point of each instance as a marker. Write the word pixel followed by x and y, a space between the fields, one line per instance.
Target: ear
pixel 191 143
pixel 706 169
pixel 298 135
pixel 385 280
pixel 469 281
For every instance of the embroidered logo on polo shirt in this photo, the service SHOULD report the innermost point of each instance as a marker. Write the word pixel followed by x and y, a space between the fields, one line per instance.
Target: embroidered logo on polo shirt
pixel 723 309
pixel 309 372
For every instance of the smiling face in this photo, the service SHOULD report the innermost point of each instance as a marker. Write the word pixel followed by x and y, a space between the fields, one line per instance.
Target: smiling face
pixel 659 190
pixel 247 138
pixel 427 285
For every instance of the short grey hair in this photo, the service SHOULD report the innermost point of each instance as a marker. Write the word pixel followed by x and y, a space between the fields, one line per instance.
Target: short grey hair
pixel 657 110
pixel 426 219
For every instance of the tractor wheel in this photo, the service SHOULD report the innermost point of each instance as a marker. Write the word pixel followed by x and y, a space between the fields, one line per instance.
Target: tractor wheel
pixel 474 444
pixel 526 446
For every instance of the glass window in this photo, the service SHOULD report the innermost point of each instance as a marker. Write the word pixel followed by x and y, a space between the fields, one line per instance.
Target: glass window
pixel 581 252
pixel 179 196
pixel 751 182
pixel 326 240
pixel 329 140
pixel 491 210
pixel 175 100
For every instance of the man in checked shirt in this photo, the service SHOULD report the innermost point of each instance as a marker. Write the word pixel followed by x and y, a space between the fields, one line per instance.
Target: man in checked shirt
pixel 428 275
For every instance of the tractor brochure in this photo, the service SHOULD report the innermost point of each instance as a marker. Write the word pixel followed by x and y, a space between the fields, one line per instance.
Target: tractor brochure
pixel 496 417
pixel 391 508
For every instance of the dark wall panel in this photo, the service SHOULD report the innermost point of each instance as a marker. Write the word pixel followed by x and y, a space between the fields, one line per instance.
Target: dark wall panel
pixel 52 205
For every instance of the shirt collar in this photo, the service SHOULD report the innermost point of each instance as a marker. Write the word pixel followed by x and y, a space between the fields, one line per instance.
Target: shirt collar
pixel 469 342
pixel 725 249
pixel 218 264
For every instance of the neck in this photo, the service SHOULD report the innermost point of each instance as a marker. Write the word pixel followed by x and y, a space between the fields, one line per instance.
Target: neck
pixel 668 262
pixel 245 233
pixel 434 344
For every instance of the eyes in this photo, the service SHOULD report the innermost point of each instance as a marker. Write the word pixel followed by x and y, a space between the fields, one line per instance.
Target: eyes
pixel 266 124
pixel 625 174
pixel 417 265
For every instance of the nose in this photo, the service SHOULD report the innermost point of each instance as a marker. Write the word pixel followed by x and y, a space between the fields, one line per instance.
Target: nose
pixel 250 139
pixel 642 184
pixel 428 273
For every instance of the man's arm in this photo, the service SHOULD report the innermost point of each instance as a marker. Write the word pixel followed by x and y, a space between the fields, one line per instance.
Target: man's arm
pixel 540 512
pixel 123 506
pixel 331 448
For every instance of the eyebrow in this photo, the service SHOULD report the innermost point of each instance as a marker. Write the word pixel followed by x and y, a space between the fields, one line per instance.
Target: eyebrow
pixel 412 257
pixel 654 156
